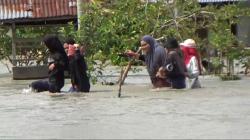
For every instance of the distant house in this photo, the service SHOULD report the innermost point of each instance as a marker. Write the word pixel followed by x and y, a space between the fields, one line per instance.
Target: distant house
pixel 14 13
pixel 37 11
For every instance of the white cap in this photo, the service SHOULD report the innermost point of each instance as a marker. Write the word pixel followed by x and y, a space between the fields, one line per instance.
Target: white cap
pixel 188 43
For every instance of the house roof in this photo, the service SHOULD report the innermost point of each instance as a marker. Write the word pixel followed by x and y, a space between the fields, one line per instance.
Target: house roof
pixel 23 11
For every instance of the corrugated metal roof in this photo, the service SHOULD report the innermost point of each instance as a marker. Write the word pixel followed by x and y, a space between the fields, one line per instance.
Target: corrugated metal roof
pixel 216 1
pixel 36 9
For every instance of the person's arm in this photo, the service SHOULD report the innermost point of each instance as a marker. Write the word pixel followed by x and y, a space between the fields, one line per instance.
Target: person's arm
pixel 60 61
pixel 174 65
pixel 135 55
pixel 161 73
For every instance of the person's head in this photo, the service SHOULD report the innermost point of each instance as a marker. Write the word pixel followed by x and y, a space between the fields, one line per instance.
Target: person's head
pixel 171 44
pixel 53 43
pixel 68 41
pixel 188 43
pixel 147 43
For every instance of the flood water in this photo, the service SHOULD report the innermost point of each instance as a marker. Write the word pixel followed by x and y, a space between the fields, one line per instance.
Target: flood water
pixel 218 110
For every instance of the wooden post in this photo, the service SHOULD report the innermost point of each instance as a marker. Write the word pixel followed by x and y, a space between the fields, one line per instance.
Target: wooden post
pixel 124 74
pixel 13 32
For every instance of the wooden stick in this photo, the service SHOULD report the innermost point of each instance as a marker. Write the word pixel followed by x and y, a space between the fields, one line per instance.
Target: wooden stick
pixel 124 74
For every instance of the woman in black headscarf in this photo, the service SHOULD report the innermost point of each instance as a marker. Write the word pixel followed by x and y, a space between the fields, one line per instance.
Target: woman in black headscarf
pixel 58 63
pixel 154 57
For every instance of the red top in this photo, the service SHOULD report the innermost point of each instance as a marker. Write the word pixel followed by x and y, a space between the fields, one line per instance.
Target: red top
pixel 188 53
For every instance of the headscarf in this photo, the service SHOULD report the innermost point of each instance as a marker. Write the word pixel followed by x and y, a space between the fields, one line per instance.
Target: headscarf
pixel 189 50
pixel 149 57
pixel 53 43
pixel 171 43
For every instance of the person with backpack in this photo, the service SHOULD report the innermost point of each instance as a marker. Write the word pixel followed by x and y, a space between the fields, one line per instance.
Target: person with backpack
pixel 192 62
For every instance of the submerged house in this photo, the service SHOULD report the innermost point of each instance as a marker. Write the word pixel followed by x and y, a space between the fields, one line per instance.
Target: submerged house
pixel 33 13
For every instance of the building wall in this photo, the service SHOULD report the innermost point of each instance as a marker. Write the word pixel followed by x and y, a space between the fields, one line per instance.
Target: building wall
pixel 243 30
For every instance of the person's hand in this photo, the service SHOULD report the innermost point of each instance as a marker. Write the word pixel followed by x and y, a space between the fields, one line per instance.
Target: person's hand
pixel 51 66
pixel 77 46
pixel 161 73
pixel 132 54
pixel 65 46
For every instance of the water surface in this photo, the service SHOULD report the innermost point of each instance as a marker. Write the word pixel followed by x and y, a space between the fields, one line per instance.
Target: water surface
pixel 218 110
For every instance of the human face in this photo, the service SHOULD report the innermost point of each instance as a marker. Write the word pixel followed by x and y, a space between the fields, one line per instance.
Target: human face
pixel 65 45
pixel 145 47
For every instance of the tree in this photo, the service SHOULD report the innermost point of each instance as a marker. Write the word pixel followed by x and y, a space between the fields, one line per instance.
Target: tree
pixel 110 27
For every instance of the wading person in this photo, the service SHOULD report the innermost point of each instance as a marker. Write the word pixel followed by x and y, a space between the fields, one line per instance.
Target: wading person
pixel 77 67
pixel 174 68
pixel 58 63
pixel 192 62
pixel 154 57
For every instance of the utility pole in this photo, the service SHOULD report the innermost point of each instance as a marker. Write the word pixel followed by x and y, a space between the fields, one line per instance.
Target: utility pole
pixel 79 12
pixel 13 34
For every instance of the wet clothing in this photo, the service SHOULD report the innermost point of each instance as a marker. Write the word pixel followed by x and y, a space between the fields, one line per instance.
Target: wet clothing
pixel 178 82
pixel 175 70
pixel 78 73
pixel 188 53
pixel 192 62
pixel 160 82
pixel 58 57
pixel 41 85
pixel 154 59
pixel 56 76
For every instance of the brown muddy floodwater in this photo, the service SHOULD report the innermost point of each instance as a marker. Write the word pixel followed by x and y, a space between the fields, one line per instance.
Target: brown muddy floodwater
pixel 218 110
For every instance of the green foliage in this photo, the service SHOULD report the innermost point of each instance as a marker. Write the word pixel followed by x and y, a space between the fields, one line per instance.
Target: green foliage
pixel 217 65
pixel 221 36
pixel 109 27
pixel 229 77
pixel 110 30
pixel 27 53
pixel 5 45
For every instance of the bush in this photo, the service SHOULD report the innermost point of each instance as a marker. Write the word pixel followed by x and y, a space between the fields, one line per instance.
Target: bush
pixel 229 77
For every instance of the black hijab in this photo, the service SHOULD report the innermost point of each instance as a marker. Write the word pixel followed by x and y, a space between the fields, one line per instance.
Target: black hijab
pixel 53 43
